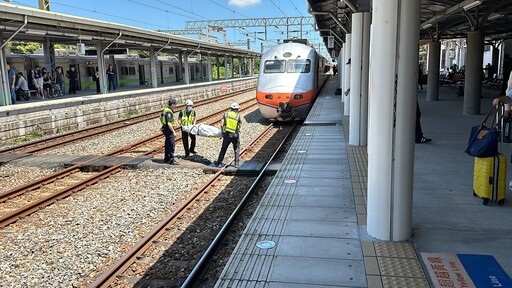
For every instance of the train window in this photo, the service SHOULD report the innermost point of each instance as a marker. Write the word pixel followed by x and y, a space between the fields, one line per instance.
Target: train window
pixel 275 66
pixel 299 66
pixel 124 70
pixel 131 70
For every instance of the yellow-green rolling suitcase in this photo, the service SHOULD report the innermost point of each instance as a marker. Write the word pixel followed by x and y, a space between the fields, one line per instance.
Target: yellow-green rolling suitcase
pixel 489 178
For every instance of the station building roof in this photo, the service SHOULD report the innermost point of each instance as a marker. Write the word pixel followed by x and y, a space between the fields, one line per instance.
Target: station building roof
pixel 38 25
pixel 440 19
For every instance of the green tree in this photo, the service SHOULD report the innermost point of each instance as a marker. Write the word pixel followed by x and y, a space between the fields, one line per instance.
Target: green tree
pixel 20 47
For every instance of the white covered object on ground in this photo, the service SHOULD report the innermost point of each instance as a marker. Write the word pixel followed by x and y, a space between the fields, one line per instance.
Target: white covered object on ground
pixel 203 130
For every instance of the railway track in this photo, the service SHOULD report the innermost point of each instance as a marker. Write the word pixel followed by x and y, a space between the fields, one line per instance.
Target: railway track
pixel 18 206
pixel 53 142
pixel 178 249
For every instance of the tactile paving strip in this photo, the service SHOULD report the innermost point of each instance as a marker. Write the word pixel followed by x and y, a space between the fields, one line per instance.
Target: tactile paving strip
pixel 398 282
pixel 402 267
pixel 398 250
pixel 388 264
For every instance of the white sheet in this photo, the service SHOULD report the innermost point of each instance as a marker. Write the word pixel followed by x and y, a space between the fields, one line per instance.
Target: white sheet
pixel 203 130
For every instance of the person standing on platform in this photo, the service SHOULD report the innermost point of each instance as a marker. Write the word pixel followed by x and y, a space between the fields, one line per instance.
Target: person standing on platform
pixel 187 117
pixel 11 74
pixel 506 100
pixel 59 80
pixel 111 75
pixel 419 132
pixel 230 126
pixel 96 78
pixel 73 79
pixel 507 68
pixel 420 76
pixel 168 122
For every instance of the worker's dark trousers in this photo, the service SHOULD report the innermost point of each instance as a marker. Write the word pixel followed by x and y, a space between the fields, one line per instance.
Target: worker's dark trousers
pixel 227 139
pixel 184 139
pixel 169 146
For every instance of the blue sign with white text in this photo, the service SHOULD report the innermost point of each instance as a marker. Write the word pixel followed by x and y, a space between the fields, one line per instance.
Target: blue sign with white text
pixel 485 271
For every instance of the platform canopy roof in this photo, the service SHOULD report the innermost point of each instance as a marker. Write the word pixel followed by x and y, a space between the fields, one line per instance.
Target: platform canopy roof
pixel 440 19
pixel 29 24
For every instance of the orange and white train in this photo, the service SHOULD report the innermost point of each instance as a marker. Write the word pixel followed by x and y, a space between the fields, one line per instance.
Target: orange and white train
pixel 289 80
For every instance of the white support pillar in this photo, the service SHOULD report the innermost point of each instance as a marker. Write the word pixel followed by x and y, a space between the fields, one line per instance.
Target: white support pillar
pixel 394 62
pixel 209 68
pixel 346 71
pixel 187 68
pixel 152 64
pixel 359 78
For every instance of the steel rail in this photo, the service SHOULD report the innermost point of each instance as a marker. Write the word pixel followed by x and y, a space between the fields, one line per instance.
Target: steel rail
pixel 122 123
pixel 201 265
pixel 109 276
pixel 35 206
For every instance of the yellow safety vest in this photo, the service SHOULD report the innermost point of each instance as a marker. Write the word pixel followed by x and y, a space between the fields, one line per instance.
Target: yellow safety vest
pixel 164 120
pixel 231 122
pixel 187 120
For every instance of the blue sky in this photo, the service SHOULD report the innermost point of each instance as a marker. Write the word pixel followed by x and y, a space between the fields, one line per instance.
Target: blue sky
pixel 172 14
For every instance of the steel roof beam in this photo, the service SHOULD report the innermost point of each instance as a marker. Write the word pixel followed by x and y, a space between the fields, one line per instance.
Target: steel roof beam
pixel 252 22
pixel 334 18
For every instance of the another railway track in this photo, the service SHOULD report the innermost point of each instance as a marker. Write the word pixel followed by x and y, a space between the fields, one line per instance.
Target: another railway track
pixel 19 209
pixel 53 142
pixel 170 252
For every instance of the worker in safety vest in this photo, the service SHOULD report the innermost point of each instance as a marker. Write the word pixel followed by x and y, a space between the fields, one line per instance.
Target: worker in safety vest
pixel 230 125
pixel 168 122
pixel 187 117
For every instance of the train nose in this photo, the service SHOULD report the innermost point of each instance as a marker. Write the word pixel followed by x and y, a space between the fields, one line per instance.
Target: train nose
pixel 284 107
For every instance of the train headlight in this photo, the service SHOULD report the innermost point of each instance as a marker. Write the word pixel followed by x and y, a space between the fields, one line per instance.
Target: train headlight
pixel 298 96
pixel 269 96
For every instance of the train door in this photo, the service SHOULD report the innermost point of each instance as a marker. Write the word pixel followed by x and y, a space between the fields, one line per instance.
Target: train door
pixel 142 75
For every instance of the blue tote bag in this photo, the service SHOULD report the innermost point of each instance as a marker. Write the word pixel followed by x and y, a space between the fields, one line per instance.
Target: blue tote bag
pixel 483 140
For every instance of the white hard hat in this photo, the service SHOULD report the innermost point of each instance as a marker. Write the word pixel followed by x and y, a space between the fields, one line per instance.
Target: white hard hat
pixel 189 103
pixel 235 106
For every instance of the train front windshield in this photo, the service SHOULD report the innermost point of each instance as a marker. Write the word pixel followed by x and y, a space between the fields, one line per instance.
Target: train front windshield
pixel 299 66
pixel 275 66
pixel 290 66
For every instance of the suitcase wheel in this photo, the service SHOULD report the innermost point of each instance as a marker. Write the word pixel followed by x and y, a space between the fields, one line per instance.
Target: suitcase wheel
pixel 486 201
pixel 474 194
pixel 501 202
